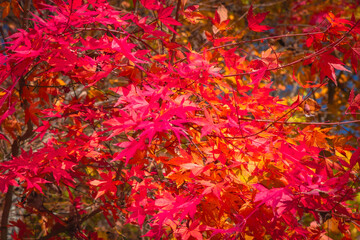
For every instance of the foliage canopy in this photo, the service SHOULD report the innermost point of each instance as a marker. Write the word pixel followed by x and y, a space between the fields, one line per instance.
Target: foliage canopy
pixel 176 119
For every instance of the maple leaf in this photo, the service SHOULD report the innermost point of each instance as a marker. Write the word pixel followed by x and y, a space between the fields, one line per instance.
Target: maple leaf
pixel 327 65
pixel 255 20
pixel 166 19
pixel 192 15
pixel 355 58
pixel 16 8
pixel 220 20
pixel 278 198
pixel 30 113
pixel 151 4
pixel 6 10
pixel 354 102
pixel 5 181
pixel 180 177
pixel 196 169
pixel 355 158
pixel 199 65
pixel 39 5
pixel 213 188
pixel 194 231
pixel 8 112
pixel 33 182
pixel 260 71
pixel 106 185
pixel 131 147
pixel 24 232
pixel 124 47
pixel 42 130
pixel 310 107
pixel 76 4
pixel 208 125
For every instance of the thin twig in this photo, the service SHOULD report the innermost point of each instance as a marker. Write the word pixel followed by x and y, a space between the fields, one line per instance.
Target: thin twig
pixel 176 18
pixel 264 39
pixel 2 33
pixel 302 123
pixel 172 55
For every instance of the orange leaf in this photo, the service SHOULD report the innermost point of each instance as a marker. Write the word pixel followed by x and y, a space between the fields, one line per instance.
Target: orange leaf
pixel 180 177
pixel 6 10
pixel 310 107
pixel 16 8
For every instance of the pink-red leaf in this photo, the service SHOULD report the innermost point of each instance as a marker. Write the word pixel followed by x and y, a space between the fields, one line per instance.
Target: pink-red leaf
pixel 355 158
pixel 255 20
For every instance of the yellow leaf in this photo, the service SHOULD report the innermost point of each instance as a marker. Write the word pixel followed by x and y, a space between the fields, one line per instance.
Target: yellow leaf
pixel 60 82
pixel 332 225
pixel 94 93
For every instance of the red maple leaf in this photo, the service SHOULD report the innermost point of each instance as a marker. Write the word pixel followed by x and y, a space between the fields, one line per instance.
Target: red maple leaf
pixel 255 20
pixel 355 158
pixel 124 47
pixel 166 19
pixel 354 103
pixel 106 185
pixel 328 64
pixel 151 4
pixel 42 130
pixel 30 113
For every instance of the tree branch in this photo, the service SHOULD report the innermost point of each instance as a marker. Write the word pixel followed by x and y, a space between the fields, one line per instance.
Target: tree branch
pixel 302 123
pixel 59 228
pixel 319 52
pixel 15 149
